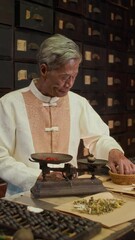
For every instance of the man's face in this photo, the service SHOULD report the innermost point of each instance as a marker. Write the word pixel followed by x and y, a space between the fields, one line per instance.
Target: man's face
pixel 58 82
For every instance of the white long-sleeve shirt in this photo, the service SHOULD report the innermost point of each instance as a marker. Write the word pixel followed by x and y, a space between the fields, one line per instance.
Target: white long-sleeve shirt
pixel 31 122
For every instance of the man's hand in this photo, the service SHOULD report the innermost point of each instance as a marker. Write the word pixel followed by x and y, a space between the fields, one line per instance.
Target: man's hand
pixel 119 163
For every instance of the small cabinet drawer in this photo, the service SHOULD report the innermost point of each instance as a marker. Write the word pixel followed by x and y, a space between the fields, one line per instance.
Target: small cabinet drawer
pixel 6 11
pixel 75 6
pixel 68 25
pixel 116 123
pixel 116 16
pixel 34 16
pixel 116 60
pixel 24 73
pixel 6 74
pixel 27 44
pixel 96 100
pixel 116 39
pixel 94 80
pixel 5 46
pixel 114 102
pixel 96 10
pixel 94 57
pixel 94 33
pixel 115 81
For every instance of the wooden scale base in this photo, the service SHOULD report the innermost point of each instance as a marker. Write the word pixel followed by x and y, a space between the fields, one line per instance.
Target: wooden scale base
pixel 70 185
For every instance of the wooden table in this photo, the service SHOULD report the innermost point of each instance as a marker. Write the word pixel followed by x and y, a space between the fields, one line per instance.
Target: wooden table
pixel 122 232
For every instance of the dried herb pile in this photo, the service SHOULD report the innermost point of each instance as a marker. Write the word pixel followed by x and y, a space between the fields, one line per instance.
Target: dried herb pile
pixel 97 206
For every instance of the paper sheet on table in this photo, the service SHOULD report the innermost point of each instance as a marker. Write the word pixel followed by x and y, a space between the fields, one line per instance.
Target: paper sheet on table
pixel 120 215
pixel 129 189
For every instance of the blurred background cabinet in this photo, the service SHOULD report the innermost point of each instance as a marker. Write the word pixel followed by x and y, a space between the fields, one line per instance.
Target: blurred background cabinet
pixel 105 33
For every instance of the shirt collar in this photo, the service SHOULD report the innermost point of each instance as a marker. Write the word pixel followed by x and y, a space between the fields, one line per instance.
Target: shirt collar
pixel 39 95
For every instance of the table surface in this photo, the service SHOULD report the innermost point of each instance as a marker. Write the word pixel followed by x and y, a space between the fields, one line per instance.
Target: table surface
pixel 49 203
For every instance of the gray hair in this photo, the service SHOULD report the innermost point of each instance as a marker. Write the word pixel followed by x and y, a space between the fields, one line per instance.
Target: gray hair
pixel 57 50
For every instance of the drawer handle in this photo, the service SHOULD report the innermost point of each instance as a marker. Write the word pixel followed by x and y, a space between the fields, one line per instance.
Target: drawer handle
pixel 117 60
pixel 117 123
pixel 70 26
pixel 96 33
pixel 117 39
pixel 33 46
pixel 32 76
pixel 117 81
pixel 96 10
pixel 94 80
pixel 73 1
pixel 116 102
pixel 37 17
pixel 118 18
pixel 95 56
pixel 133 140
pixel 94 103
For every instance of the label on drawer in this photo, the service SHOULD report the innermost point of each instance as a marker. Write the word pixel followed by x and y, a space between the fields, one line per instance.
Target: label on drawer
pixel 130 122
pixel 111 58
pixel 22 75
pixel 109 102
pixel 88 55
pixel 90 8
pixel 87 79
pixel 27 14
pixel 110 81
pixel 21 45
pixel 61 24
pixel 111 124
pixel 132 82
pixel 130 61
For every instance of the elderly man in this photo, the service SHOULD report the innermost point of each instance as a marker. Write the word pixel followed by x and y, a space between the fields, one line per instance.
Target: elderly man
pixel 47 117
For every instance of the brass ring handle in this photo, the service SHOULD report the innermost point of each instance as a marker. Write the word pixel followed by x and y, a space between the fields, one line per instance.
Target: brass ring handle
pixel 70 26
pixel 95 56
pixel 117 60
pixel 96 33
pixel 32 76
pixel 94 80
pixel 117 81
pixel 116 102
pixel 118 17
pixel 33 46
pixel 117 123
pixel 37 17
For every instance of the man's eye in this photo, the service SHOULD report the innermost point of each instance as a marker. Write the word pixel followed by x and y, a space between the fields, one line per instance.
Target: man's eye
pixel 65 78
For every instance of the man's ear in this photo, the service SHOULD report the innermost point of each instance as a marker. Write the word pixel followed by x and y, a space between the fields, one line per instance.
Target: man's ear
pixel 43 70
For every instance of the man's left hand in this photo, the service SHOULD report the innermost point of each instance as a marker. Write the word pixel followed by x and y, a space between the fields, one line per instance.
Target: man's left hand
pixel 119 163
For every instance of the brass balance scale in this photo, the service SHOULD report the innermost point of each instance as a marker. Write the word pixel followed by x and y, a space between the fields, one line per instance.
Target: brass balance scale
pixel 70 184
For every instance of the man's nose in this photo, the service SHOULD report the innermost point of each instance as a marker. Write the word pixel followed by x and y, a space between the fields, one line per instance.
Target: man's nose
pixel 70 81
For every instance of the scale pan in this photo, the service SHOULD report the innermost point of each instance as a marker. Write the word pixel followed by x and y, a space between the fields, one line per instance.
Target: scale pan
pixel 53 158
pixel 97 162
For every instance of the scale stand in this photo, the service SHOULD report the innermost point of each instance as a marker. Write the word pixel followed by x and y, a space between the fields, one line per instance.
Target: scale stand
pixel 70 185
